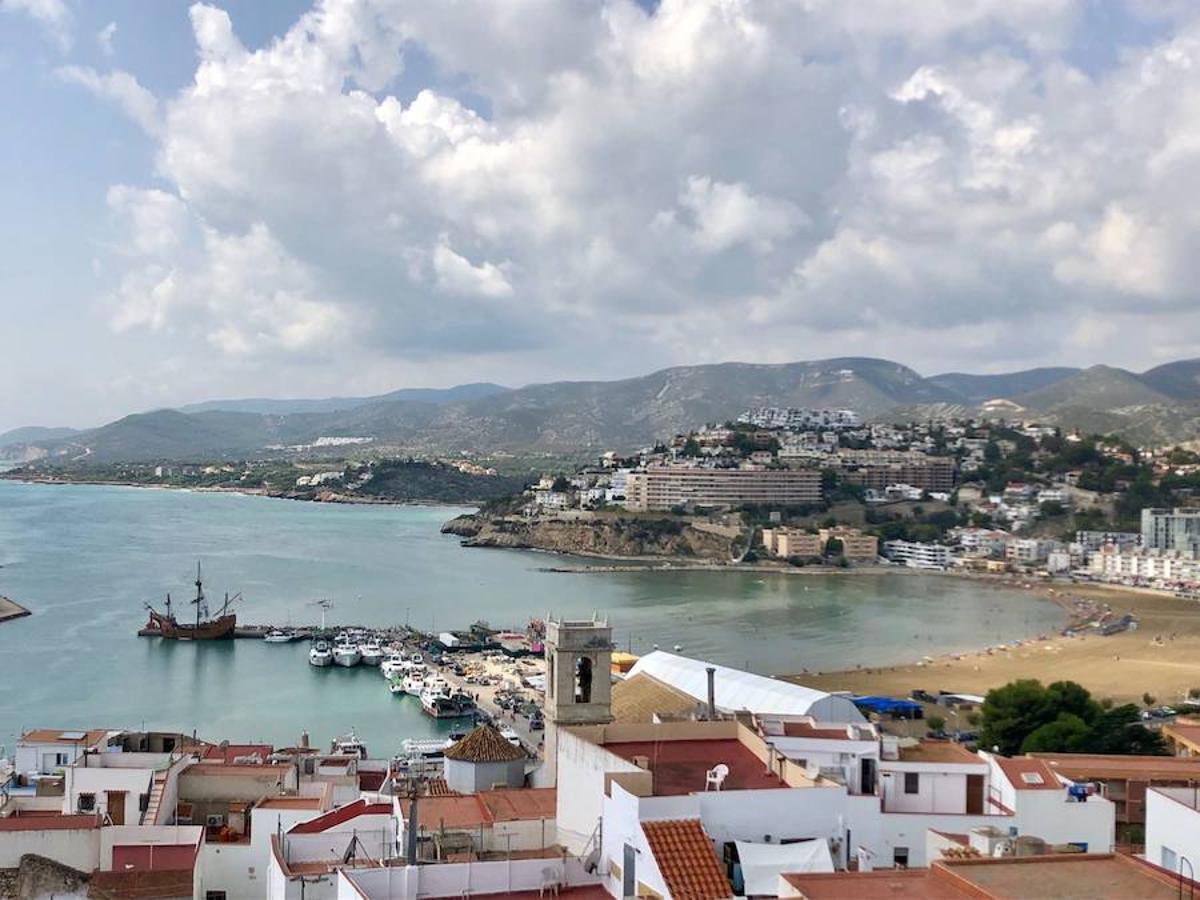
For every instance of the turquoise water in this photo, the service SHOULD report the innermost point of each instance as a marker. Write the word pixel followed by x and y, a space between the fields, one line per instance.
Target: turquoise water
pixel 85 558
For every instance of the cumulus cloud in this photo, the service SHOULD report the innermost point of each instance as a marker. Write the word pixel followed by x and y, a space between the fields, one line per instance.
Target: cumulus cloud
pixel 54 16
pixel 713 179
pixel 120 88
pixel 104 38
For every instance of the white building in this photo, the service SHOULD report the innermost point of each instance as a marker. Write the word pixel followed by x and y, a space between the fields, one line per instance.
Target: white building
pixel 1171 529
pixel 1173 829
pixel 46 751
pixel 916 555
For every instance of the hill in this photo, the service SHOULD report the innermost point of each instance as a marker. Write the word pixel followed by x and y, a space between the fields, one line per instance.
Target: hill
pixel 277 407
pixel 981 388
pixel 584 416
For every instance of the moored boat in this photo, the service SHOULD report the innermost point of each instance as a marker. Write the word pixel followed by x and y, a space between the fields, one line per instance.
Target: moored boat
pixel 320 655
pixel 205 628
pixel 275 636
pixel 371 652
pixel 346 654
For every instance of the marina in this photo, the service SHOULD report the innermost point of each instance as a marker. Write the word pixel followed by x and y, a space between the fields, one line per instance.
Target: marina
pixel 87 557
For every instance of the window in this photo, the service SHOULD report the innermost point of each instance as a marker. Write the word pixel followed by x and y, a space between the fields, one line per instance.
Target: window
pixel 912 783
pixel 87 802
pixel 900 857
pixel 1032 778
pixel 583 680
pixel 214 895
pixel 61 759
pixel 1170 860
pixel 550 677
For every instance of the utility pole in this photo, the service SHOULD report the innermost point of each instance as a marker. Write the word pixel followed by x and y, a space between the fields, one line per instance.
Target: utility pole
pixel 411 849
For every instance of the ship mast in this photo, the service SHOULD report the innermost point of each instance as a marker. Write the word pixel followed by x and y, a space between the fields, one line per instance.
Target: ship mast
pixel 199 601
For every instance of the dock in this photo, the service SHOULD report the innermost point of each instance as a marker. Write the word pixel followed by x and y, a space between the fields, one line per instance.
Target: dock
pixel 10 609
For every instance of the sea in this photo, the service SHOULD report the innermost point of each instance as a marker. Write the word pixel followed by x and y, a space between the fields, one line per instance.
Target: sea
pixel 86 559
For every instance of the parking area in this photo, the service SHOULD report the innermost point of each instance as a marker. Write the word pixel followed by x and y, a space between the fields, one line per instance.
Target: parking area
pixel 509 690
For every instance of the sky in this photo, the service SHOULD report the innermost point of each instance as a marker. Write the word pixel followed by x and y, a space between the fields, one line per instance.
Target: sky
pixel 241 198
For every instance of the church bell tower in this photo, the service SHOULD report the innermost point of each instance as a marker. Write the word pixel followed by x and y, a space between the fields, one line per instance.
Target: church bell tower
pixel 578 679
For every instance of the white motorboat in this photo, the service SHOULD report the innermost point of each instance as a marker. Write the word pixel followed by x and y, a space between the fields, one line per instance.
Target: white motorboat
pixel 396 686
pixel 275 636
pixel 371 652
pixel 393 666
pixel 348 745
pixel 320 655
pixel 346 654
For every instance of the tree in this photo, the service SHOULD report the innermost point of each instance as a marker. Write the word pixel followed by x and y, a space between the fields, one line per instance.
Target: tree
pixel 1149 699
pixel 561 484
pixel 936 724
pixel 691 447
pixel 1024 717
pixel 834 547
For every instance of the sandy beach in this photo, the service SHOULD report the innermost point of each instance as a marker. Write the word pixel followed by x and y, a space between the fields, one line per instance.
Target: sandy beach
pixel 1161 657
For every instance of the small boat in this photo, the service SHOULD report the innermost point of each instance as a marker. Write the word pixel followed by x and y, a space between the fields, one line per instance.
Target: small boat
pixel 320 655
pixel 348 745
pixel 442 704
pixel 371 652
pixel 346 654
pixel 428 748
pixel 511 736
pixel 275 636
pixel 393 665
pixel 396 686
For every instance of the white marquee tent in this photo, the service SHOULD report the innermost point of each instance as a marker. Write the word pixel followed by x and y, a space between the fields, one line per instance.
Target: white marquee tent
pixel 737 691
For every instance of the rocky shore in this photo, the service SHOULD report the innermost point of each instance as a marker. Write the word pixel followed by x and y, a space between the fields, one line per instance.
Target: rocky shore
pixel 609 536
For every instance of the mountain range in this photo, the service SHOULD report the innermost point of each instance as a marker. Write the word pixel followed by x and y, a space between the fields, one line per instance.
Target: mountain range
pixel 1159 406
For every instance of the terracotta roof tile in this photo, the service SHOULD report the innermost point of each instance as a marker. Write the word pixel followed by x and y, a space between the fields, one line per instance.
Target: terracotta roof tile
pixel 484 745
pixel 1026 774
pixel 686 859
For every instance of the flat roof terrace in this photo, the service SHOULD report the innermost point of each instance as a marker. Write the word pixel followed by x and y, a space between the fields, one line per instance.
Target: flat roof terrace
pixel 681 767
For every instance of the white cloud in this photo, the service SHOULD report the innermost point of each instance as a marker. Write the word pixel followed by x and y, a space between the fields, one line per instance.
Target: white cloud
pixel 720 178
pixel 120 88
pixel 104 38
pixel 457 275
pixel 54 16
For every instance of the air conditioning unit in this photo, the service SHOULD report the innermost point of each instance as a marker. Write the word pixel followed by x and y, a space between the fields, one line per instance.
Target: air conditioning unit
pixel 216 820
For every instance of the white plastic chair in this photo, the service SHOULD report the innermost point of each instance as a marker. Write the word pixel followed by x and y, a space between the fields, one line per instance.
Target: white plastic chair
pixel 551 881
pixel 716 777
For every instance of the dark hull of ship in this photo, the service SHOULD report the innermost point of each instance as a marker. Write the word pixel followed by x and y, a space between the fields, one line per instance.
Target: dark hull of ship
pixel 170 628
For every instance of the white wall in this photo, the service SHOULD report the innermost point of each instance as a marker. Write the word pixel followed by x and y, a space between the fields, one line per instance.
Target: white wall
pixel 1050 816
pixel 581 768
pixel 909 830
pixel 458 879
pixel 938 791
pixel 100 781
pixel 1172 824
pixel 230 868
pixel 77 848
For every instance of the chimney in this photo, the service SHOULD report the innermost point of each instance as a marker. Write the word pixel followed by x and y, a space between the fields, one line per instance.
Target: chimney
pixel 304 739
pixel 712 693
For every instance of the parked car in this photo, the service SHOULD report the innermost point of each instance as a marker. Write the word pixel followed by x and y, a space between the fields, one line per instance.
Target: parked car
pixel 536 723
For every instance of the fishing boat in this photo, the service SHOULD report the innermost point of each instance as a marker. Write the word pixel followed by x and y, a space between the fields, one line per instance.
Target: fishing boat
pixel 346 653
pixel 348 745
pixel 393 666
pixel 320 655
pixel 275 636
pixel 371 652
pixel 396 686
pixel 438 701
pixel 206 627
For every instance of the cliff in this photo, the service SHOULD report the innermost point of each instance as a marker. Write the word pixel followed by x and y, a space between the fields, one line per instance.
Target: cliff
pixel 607 536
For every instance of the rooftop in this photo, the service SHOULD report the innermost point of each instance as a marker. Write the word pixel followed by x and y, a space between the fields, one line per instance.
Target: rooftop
pixel 884 884
pixel 484 745
pixel 686 859
pixel 1063 877
pixel 640 697
pixel 1188 732
pixel 516 804
pixel 455 811
pixel 227 753
pixel 1098 765
pixel 60 736
pixel 226 770
pixel 940 752
pixel 1188 796
pixel 681 767
pixel 1028 774
pixel 809 730
pixel 340 816
pixel 36 822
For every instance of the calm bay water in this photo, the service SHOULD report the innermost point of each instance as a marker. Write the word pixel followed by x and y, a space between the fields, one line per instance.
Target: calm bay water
pixel 85 558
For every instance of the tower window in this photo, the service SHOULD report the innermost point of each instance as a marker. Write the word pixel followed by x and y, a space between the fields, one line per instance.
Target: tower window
pixel 583 680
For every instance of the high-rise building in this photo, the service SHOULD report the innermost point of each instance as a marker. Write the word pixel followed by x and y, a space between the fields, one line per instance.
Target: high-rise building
pixel 1172 529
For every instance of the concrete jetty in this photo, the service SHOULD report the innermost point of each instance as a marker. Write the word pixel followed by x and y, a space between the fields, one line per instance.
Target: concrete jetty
pixel 10 609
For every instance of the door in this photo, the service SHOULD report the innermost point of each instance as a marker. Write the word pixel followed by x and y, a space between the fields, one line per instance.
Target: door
pixel 867 785
pixel 116 807
pixel 974 795
pixel 629 879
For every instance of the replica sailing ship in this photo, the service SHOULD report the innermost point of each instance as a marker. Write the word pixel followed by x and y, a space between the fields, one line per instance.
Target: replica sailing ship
pixel 205 628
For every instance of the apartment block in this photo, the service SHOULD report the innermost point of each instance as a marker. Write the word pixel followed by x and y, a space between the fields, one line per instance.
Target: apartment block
pixel 789 542
pixel 1171 529
pixel 664 487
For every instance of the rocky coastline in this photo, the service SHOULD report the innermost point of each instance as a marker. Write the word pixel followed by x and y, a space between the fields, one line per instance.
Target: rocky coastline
pixel 608 536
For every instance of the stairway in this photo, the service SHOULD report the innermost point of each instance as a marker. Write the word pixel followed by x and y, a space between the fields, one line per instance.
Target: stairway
pixel 156 794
